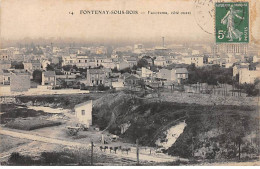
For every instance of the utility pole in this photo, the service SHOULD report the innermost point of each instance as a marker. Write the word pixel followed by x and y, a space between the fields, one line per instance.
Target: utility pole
pixel 163 42
pixel 137 152
pixel 192 146
pixel 258 122
pixel 92 147
pixel 239 149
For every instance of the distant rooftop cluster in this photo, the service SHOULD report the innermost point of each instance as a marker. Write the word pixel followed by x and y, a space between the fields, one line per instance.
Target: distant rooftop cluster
pixel 77 66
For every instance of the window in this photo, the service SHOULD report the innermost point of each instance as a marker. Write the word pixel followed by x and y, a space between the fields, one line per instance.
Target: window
pixel 82 112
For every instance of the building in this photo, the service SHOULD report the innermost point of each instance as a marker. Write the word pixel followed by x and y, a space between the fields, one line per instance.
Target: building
pixel 167 74
pixel 49 78
pixel 132 80
pixel 181 74
pixel 108 63
pixel 45 63
pixel 5 77
pixel 197 60
pixel 95 77
pixel 32 65
pixel 69 60
pixel 160 61
pixel 237 68
pixel 238 48
pixel 5 54
pixel 83 113
pixel 89 62
pixel 118 84
pixel 5 64
pixel 173 75
pixel 256 58
pixel 138 48
pixel 122 65
pixel 149 60
pixel 132 61
pixel 20 81
pixel 248 76
pixel 55 60
pixel 146 72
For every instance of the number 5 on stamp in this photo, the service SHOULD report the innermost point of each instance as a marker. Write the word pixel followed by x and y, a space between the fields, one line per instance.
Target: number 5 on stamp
pixel 232 22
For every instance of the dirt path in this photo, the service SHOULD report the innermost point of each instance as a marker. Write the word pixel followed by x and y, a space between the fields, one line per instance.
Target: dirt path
pixel 131 155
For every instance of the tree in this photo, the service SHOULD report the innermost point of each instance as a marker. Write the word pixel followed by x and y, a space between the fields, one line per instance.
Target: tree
pixel 115 70
pixel 37 76
pixel 126 70
pixel 75 67
pixel 210 75
pixel 101 87
pixel 17 65
pixel 67 67
pixel 134 67
pixel 142 63
pixel 49 68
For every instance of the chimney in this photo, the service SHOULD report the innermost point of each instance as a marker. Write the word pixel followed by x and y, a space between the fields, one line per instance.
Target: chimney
pixel 163 42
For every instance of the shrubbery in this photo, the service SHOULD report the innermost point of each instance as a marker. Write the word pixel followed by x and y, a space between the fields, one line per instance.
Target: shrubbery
pixel 209 74
pixel 249 89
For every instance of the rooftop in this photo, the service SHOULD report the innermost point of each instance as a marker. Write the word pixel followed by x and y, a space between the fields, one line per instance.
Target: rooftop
pixel 83 104
pixel 49 73
pixel 96 71
pixel 181 70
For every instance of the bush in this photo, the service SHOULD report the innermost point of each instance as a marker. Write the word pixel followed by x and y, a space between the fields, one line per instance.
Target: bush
pixel 102 88
pixel 17 159
pixel 249 89
pixel 211 75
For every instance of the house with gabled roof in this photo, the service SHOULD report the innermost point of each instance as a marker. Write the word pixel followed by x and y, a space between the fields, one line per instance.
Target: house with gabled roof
pixel 95 77
pixel 49 78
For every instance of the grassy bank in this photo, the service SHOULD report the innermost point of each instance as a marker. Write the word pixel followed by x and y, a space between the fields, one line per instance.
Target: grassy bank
pixel 63 101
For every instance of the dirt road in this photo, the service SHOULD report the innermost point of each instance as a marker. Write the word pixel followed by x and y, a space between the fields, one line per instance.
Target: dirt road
pixel 130 155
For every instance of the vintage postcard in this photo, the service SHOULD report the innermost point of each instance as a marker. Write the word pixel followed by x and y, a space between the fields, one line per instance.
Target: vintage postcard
pixel 129 82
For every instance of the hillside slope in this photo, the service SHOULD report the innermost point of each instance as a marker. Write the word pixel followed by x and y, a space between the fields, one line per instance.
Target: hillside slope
pixel 211 132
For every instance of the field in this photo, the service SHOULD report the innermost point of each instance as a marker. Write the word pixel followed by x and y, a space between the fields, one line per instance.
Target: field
pixel 31 124
pixel 12 111
pixel 8 143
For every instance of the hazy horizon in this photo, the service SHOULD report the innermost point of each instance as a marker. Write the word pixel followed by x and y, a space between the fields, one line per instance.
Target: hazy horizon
pixel 39 21
pixel 51 19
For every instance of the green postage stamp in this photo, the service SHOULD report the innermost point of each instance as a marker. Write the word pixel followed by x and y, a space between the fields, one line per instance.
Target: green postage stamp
pixel 232 22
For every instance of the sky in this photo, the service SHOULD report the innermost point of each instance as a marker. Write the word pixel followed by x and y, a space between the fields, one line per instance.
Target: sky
pixel 51 19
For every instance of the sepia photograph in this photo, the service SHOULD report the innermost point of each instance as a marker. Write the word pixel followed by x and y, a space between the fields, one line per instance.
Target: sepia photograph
pixel 129 83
